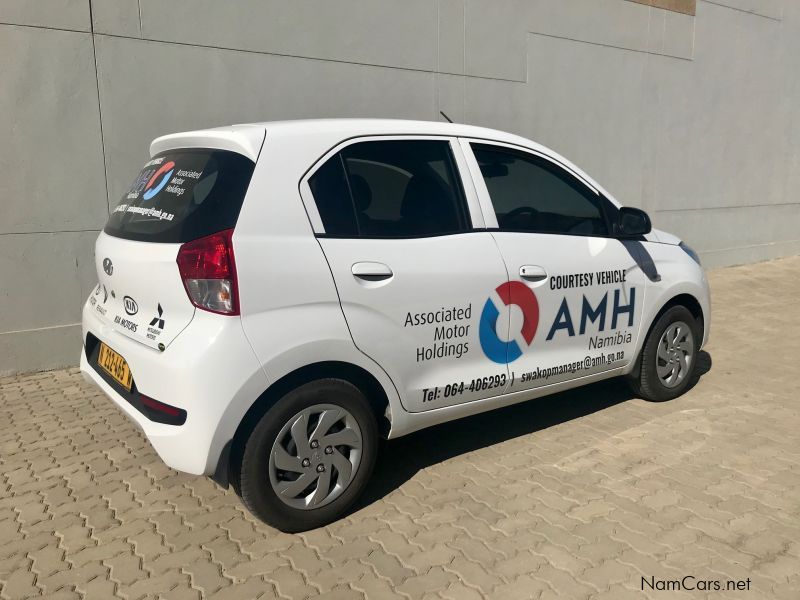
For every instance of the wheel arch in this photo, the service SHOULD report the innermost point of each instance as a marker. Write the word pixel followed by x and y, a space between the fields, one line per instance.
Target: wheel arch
pixel 685 299
pixel 230 458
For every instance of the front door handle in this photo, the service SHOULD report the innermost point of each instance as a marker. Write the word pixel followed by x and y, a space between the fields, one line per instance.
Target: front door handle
pixel 532 273
pixel 371 271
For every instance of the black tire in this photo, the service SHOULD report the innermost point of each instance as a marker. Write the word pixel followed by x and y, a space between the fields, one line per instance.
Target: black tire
pixel 644 380
pixel 253 479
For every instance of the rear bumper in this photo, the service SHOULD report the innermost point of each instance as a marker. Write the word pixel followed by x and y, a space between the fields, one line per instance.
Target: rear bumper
pixel 169 441
pixel 209 370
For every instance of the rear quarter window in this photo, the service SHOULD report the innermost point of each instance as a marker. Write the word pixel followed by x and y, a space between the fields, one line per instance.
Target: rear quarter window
pixel 183 195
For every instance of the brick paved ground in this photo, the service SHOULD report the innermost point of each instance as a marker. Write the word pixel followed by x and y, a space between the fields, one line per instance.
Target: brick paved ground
pixel 575 496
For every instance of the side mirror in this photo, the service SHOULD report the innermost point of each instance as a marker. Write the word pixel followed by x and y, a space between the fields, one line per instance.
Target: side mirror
pixel 632 222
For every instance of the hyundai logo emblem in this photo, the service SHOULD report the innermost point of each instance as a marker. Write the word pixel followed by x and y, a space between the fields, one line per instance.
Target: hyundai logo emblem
pixel 108 266
pixel 130 305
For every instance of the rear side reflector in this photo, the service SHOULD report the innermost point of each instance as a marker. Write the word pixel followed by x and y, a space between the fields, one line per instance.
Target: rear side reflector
pixel 162 413
pixel 208 271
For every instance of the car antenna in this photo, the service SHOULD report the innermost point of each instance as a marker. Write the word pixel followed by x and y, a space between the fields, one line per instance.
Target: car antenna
pixel 449 120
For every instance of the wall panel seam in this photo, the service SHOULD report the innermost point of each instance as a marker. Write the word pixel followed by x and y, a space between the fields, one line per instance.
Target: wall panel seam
pixel 697 208
pixel 35 329
pixel 47 27
pixel 746 246
pixel 742 10
pixel 627 49
pixel 99 109
pixel 2 233
pixel 300 57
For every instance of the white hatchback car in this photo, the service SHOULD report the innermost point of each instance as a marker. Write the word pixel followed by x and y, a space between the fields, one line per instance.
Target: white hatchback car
pixel 274 297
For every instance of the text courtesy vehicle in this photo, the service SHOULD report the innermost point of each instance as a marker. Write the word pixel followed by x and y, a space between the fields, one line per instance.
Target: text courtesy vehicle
pixel 273 298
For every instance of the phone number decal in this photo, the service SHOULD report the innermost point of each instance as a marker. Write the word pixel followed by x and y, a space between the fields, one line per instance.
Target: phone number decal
pixel 452 390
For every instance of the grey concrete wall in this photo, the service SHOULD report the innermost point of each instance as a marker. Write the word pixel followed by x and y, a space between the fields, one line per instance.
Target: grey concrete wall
pixel 693 118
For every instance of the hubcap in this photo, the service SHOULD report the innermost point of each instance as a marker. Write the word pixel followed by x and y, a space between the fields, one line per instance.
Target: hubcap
pixel 315 456
pixel 675 354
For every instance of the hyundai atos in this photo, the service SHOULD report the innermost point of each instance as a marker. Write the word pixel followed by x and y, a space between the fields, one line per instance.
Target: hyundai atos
pixel 274 297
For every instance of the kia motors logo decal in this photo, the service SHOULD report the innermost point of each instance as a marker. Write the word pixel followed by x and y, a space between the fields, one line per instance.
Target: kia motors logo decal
pixel 495 349
pixel 108 266
pixel 130 305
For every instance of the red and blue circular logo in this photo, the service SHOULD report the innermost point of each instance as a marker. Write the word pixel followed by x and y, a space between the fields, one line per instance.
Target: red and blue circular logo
pixel 158 180
pixel 495 349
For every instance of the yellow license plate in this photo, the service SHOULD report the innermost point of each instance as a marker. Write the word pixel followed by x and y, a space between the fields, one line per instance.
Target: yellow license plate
pixel 113 364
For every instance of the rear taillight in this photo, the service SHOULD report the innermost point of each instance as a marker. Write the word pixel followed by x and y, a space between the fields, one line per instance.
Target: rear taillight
pixel 208 271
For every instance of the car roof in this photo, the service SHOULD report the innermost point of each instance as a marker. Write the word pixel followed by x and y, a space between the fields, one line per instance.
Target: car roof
pixel 386 127
pixel 250 135
pixel 248 138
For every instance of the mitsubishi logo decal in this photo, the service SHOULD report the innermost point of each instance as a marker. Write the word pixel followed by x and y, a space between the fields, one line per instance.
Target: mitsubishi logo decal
pixel 158 320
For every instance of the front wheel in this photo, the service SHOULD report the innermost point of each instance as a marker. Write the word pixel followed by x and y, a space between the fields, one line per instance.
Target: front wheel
pixel 669 356
pixel 310 456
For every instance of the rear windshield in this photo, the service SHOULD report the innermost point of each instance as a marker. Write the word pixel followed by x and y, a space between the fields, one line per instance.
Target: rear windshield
pixel 183 195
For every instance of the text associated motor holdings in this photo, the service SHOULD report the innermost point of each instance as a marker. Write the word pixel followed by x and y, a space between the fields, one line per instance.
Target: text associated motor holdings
pixel 451 329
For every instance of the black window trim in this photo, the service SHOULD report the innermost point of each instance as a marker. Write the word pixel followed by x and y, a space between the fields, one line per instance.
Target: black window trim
pixel 608 208
pixel 452 141
pixel 604 204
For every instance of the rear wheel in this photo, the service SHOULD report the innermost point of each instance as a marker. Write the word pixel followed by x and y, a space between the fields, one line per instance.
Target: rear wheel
pixel 310 456
pixel 669 356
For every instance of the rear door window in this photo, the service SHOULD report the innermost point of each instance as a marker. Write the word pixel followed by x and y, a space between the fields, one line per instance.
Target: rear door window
pixel 391 189
pixel 183 195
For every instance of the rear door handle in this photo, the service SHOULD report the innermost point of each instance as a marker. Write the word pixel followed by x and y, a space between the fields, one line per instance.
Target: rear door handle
pixel 532 273
pixel 371 271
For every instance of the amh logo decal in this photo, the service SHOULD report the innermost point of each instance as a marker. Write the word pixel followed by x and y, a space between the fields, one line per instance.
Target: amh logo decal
pixel 511 292
pixel 164 172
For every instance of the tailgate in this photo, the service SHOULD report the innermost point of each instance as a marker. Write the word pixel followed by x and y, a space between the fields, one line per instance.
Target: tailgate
pixel 180 195
pixel 140 292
